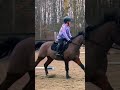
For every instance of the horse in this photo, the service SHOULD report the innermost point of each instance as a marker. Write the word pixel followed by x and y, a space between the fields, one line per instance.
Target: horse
pixel 71 53
pixel 20 54
pixel 98 42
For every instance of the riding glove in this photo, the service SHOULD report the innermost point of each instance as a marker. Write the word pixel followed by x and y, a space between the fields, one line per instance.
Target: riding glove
pixel 70 41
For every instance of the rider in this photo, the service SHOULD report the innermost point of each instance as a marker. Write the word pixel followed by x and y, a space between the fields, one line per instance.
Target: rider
pixel 64 34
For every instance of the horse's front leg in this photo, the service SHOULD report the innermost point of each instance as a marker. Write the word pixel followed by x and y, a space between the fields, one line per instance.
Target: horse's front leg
pixel 67 69
pixel 49 60
pixel 77 60
pixel 102 82
pixel 9 80
pixel 31 84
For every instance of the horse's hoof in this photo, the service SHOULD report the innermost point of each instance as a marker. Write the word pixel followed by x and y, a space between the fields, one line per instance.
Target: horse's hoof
pixel 68 77
pixel 46 75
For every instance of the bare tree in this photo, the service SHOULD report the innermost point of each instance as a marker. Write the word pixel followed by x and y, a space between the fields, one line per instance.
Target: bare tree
pixel 49 15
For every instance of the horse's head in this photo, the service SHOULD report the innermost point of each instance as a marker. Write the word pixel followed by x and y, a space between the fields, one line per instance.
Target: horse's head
pixel 110 29
pixel 116 32
pixel 114 17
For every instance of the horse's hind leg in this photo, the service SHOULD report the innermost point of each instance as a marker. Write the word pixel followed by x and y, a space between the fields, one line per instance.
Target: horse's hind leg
pixel 102 82
pixel 77 60
pixel 31 84
pixel 67 69
pixel 9 80
pixel 49 60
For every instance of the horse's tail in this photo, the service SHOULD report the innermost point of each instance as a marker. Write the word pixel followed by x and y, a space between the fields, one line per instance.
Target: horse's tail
pixel 37 45
pixel 7 46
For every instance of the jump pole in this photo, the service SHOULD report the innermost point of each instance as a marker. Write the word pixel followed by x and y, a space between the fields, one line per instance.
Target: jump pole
pixel 42 68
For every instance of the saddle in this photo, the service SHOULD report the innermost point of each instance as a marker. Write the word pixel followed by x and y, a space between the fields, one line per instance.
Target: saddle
pixel 54 46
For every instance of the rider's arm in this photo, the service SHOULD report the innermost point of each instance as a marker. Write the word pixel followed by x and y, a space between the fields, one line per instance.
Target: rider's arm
pixel 65 34
pixel 69 33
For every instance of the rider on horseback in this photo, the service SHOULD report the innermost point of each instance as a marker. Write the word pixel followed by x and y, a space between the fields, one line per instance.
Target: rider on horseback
pixel 64 35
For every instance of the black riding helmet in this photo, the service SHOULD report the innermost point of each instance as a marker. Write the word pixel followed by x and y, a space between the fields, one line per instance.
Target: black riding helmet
pixel 67 19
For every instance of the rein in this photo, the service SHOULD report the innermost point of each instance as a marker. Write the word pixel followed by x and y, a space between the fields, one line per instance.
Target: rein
pixel 81 33
pixel 98 44
pixel 76 44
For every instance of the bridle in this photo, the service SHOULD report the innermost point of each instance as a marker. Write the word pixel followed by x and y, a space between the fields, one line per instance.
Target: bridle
pixel 77 44
pixel 98 44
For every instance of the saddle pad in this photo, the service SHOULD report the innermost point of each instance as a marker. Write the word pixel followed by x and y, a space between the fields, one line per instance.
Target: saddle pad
pixel 54 46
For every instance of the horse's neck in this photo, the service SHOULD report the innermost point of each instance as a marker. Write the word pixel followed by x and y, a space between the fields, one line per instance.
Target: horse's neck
pixel 78 40
pixel 102 35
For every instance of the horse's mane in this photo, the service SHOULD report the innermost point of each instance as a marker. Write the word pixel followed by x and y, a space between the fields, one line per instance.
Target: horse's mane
pixel 107 18
pixel 79 33
pixel 7 46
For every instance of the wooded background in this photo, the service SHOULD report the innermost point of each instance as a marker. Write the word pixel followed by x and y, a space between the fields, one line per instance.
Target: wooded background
pixel 49 16
pixel 95 10
pixel 17 18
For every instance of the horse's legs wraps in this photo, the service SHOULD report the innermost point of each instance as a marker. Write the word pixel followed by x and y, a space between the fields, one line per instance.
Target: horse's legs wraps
pixel 9 80
pixel 31 84
pixel 67 68
pixel 79 63
pixel 103 83
pixel 49 60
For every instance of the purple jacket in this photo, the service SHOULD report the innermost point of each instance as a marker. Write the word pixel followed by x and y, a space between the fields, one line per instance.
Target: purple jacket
pixel 64 33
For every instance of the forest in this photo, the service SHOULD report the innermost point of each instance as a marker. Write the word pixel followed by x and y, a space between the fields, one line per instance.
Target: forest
pixel 49 16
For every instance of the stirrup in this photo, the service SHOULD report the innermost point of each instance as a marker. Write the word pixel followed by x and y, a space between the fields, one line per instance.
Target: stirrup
pixel 58 54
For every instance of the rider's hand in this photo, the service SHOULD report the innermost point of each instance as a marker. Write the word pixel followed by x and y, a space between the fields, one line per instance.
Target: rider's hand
pixel 72 38
pixel 70 41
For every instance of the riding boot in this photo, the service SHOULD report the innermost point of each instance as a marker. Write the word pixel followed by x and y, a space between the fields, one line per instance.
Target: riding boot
pixel 58 51
pixel 59 48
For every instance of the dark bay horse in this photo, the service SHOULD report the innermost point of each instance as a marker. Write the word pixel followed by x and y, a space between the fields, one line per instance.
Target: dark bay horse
pixel 71 53
pixel 21 60
pixel 98 42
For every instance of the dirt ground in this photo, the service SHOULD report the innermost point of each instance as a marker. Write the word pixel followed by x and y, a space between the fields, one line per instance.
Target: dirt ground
pixel 113 71
pixel 19 84
pixel 56 79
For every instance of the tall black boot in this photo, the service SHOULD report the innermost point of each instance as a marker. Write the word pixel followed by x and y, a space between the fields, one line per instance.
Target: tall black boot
pixel 58 51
